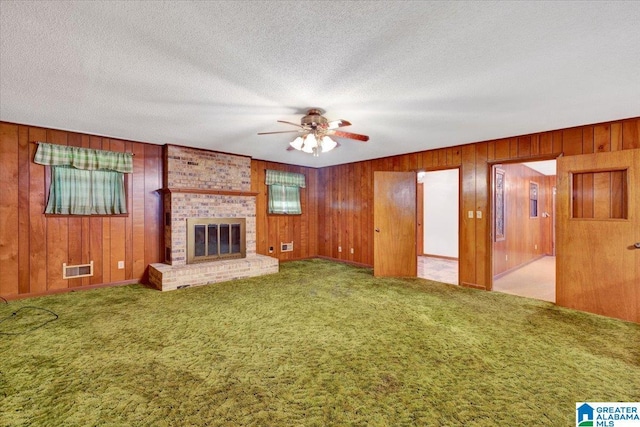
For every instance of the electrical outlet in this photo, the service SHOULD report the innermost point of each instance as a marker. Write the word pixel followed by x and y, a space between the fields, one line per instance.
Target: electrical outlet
pixel 535 247
pixel 339 248
pixel 506 257
pixel 270 249
pixel 120 265
pixel 351 250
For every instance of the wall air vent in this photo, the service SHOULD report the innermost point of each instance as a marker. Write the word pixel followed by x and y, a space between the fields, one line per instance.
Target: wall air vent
pixel 75 271
pixel 286 247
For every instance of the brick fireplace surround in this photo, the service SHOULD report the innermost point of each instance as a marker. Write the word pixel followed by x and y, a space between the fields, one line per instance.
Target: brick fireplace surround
pixel 204 184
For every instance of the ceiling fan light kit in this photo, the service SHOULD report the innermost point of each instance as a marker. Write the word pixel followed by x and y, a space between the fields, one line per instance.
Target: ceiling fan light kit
pixel 313 145
pixel 315 130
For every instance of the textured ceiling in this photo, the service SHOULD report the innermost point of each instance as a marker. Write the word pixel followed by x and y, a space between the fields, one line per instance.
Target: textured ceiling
pixel 411 75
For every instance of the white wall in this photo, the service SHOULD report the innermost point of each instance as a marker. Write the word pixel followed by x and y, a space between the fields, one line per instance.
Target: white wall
pixel 441 199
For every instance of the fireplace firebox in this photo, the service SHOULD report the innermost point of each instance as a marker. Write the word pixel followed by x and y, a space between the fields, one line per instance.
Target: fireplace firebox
pixel 210 239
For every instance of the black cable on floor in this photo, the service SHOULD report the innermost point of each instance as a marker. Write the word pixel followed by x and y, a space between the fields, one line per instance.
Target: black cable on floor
pixel 15 313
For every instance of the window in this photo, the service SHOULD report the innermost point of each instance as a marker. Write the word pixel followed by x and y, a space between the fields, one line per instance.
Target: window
pixel 533 200
pixel 284 192
pixel 85 181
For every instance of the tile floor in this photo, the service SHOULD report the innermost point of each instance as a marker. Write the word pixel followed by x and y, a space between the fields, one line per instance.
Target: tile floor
pixel 438 269
pixel 536 280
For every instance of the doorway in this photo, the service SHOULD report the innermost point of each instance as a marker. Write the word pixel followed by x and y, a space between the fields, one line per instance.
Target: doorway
pixel 523 229
pixel 438 225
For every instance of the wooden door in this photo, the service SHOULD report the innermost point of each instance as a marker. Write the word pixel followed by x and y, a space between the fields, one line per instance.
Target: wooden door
pixel 420 219
pixel 394 219
pixel 598 225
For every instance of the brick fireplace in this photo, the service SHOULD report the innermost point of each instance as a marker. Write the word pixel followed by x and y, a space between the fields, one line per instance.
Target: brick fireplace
pixel 204 184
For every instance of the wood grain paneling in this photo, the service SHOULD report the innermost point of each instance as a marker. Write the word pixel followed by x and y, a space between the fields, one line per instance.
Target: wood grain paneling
pixel 33 246
pixel 598 268
pixel 37 221
pixel 395 224
pixel 24 160
pixel 9 245
pixel 302 229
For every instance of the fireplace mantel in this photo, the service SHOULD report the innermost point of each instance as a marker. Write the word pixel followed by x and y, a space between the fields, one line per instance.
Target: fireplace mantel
pixel 206 191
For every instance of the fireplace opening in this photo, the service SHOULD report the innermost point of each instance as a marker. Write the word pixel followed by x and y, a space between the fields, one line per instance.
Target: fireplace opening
pixel 210 239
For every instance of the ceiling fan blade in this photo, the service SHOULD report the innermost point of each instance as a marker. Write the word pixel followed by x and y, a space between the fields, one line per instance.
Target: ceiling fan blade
pixel 282 131
pixel 334 124
pixel 356 136
pixel 289 123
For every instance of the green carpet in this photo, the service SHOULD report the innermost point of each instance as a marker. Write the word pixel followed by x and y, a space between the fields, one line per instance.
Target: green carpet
pixel 318 344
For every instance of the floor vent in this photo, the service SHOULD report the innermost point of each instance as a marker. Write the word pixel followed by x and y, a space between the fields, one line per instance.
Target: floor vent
pixel 74 271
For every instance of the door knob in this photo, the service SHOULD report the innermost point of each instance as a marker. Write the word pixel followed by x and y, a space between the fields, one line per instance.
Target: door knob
pixel 378 230
pixel 636 245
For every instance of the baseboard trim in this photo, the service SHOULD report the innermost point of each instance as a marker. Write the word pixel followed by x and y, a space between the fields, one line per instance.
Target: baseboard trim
pixel 344 261
pixel 74 289
pixel 440 257
pixel 473 286
pixel 519 266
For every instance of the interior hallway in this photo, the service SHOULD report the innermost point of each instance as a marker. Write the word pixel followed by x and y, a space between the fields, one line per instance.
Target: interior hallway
pixel 535 280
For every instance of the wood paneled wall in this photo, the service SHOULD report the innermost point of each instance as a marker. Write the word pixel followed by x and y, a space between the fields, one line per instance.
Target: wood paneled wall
pixel 33 246
pixel 271 230
pixel 345 193
pixel 337 206
pixel 526 238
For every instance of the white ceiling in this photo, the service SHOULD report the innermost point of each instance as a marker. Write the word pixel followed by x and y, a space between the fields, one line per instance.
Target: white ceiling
pixel 545 167
pixel 411 75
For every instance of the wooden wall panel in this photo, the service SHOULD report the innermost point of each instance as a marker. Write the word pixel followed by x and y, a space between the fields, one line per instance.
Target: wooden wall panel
pixel 24 256
pixel 153 225
pixel 272 230
pixel 37 221
pixel 467 259
pixel 630 134
pixel 137 209
pixel 9 245
pixel 44 242
pixel 482 207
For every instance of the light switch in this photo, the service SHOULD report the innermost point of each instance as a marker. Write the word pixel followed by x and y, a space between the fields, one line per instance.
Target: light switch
pixel 470 214
pixel 479 214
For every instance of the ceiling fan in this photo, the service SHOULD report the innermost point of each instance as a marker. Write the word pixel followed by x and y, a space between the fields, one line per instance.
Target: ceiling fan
pixel 314 132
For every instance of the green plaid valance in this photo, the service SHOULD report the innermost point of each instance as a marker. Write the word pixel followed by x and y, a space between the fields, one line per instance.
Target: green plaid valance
pixel 285 178
pixel 83 158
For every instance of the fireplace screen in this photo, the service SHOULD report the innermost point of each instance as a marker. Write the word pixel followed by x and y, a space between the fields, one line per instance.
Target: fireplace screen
pixel 215 238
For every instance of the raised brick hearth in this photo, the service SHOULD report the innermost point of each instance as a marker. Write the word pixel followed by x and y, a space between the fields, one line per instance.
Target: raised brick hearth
pixel 204 184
